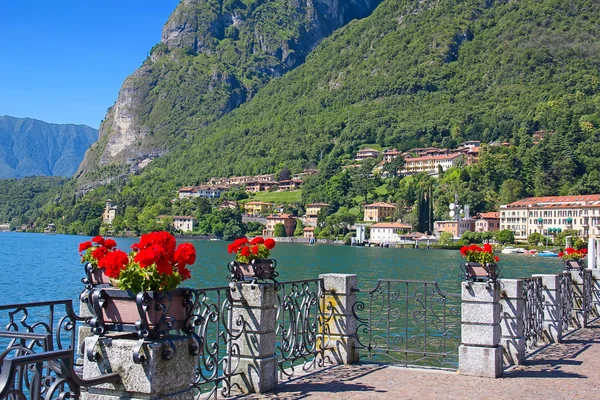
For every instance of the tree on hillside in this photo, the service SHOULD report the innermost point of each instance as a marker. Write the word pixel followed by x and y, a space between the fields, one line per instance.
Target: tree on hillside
pixel 284 174
pixel 393 167
pixel 511 191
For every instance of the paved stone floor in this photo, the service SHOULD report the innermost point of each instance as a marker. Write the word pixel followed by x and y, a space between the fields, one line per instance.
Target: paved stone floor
pixel 570 370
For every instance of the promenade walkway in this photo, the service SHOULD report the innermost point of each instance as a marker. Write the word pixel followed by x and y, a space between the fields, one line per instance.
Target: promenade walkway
pixel 570 370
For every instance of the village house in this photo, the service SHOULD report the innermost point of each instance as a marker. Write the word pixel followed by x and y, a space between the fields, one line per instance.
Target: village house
pixel 313 209
pixel 366 153
pixel 186 192
pixel 487 222
pixel 203 191
pixel 378 212
pixel 288 221
pixel 388 232
pixel 228 204
pixel 538 214
pixel 309 232
pixel 431 164
pixel 110 212
pixel 456 228
pixel 390 154
pixel 181 223
pixel 292 184
pixel 259 186
pixel 4 227
pixel 257 208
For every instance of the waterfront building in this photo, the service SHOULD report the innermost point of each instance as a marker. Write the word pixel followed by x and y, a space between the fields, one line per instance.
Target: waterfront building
pixel 309 232
pixel 4 227
pixel 538 214
pixel 366 153
pixel 288 221
pixel 257 207
pixel 228 204
pixel 378 212
pixel 180 223
pixel 431 163
pixel 454 227
pixel 388 232
pixel 487 222
pixel 110 212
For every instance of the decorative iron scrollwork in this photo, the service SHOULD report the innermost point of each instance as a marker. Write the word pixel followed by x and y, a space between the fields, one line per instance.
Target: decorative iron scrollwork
pixel 566 301
pixel 533 317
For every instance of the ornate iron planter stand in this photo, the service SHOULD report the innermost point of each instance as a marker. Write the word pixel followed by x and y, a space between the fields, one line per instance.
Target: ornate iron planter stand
pixel 149 315
pixel 94 277
pixel 256 271
pixel 476 272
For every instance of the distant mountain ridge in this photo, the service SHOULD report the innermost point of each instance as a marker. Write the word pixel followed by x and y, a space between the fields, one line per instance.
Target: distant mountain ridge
pixel 29 147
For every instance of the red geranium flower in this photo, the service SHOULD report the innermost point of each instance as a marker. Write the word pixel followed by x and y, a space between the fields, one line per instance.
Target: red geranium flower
pixel 100 253
pixel 496 258
pixel 184 273
pixel 270 243
pixel 464 250
pixel 84 246
pixel 487 248
pixel 98 240
pixel 257 240
pixel 110 244
pixel 245 251
pixel 185 254
pixel 114 262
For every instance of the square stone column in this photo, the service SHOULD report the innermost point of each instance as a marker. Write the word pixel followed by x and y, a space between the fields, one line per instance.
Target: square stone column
pixel 553 331
pixel 480 353
pixel 340 294
pixel 253 306
pixel 512 325
pixel 157 377
pixel 579 312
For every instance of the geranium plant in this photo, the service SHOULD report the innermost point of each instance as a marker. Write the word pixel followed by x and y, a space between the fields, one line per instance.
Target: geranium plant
pixel 572 254
pixel 482 255
pixel 156 262
pixel 93 251
pixel 245 251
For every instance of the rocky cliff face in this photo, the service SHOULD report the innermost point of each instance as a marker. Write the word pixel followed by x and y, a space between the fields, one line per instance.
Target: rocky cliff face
pixel 213 56
pixel 30 147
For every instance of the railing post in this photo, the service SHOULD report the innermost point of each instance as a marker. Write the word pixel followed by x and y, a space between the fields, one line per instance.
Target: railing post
pixel 480 353
pixel 340 296
pixel 579 307
pixel 512 326
pixel 596 290
pixel 254 312
pixel 166 372
pixel 553 329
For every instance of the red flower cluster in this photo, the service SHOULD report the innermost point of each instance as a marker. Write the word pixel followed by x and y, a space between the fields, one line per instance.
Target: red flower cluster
pixel 96 249
pixel 246 251
pixel 572 254
pixel 159 248
pixel 478 254
pixel 114 262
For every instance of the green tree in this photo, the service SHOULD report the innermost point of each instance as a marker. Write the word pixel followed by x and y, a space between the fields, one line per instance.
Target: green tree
pixel 511 190
pixel 279 230
pixel 299 231
pixel 445 239
pixel 535 238
pixel 505 236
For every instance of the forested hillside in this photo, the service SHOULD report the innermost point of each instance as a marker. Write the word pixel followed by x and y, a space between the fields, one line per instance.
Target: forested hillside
pixel 412 74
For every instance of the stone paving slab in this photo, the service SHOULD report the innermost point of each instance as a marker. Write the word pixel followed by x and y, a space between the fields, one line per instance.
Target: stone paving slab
pixel 570 370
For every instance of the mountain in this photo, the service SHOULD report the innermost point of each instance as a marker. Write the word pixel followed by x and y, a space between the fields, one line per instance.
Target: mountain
pixel 414 74
pixel 213 57
pixel 31 147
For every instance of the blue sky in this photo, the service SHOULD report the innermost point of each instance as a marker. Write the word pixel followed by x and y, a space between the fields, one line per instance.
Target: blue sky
pixel 64 61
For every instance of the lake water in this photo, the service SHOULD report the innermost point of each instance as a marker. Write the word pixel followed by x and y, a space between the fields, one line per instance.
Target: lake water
pixel 37 267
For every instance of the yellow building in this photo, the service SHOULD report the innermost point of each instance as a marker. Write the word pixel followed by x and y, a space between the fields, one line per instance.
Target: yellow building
pixel 379 211
pixel 257 208
pixel 288 221
pixel 312 210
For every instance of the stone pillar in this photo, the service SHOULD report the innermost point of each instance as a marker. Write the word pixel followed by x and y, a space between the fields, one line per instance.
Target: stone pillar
pixel 580 314
pixel 512 325
pixel 480 353
pixel 258 365
pixel 340 292
pixel 155 378
pixel 553 331
pixel 596 291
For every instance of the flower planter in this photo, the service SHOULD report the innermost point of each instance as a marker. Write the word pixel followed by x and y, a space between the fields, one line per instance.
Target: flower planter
pixel 477 272
pixel 95 277
pixel 574 265
pixel 260 269
pixel 150 314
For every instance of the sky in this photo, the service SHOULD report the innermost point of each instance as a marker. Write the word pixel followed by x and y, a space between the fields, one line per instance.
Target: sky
pixel 64 61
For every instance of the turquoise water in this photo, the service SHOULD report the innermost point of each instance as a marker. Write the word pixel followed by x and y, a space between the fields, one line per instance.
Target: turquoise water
pixel 37 267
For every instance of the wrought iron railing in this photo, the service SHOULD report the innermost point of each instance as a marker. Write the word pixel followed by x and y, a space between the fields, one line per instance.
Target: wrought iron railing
pixel 216 334
pixel 566 301
pixel 37 343
pixel 587 291
pixel 409 323
pixel 302 331
pixel 533 316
